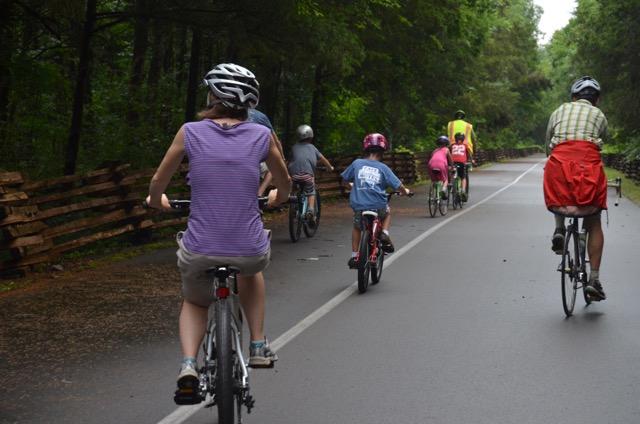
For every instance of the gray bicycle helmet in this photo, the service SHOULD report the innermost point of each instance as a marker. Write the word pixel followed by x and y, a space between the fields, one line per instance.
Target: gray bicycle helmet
pixel 585 83
pixel 234 85
pixel 443 140
pixel 304 132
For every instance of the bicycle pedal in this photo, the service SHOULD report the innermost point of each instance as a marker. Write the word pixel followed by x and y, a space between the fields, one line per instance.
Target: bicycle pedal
pixel 187 396
pixel 249 402
pixel 262 366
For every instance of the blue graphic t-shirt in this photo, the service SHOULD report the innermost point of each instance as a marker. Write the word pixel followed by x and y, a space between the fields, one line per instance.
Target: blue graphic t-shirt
pixel 370 180
pixel 259 118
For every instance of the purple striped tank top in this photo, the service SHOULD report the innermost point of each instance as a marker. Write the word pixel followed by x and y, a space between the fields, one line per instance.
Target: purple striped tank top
pixel 224 174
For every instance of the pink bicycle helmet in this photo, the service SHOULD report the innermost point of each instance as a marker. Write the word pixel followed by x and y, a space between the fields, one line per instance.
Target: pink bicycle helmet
pixel 375 140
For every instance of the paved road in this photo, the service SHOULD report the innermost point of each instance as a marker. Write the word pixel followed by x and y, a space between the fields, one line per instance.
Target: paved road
pixel 465 327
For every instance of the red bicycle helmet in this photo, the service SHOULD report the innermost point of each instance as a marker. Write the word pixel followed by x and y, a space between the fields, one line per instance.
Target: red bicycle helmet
pixel 375 140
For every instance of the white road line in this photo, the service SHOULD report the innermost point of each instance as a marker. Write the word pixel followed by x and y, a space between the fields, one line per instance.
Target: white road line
pixel 184 412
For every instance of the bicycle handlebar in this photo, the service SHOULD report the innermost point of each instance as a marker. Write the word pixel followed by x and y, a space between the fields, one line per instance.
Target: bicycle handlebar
pixel 398 193
pixel 181 204
pixel 617 184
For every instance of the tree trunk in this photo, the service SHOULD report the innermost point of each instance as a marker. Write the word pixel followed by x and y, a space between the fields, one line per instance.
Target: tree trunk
pixel 156 65
pixel 181 74
pixel 288 114
pixel 140 46
pixel 194 75
pixel 316 104
pixel 168 59
pixel 269 97
pixel 73 144
pixel 6 35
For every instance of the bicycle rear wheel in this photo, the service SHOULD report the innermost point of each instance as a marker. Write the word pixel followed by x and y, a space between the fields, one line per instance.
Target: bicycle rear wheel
pixel 443 206
pixel 363 264
pixel 432 200
pixel 455 196
pixel 311 231
pixel 295 220
pixel 224 359
pixel 376 272
pixel 569 274
pixel 466 189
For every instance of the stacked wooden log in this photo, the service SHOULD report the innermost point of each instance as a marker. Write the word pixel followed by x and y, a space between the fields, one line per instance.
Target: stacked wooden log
pixel 629 167
pixel 42 219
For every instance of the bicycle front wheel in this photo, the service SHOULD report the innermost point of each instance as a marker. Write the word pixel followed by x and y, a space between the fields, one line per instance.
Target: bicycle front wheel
pixel 295 221
pixel 224 361
pixel 310 231
pixel 466 189
pixel 376 273
pixel 432 200
pixel 569 274
pixel 363 264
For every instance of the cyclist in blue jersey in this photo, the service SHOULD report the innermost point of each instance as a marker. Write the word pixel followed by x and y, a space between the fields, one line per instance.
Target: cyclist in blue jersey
pixel 371 178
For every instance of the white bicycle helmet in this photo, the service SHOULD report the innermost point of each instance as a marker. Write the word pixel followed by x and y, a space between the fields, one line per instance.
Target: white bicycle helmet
pixel 585 83
pixel 304 132
pixel 234 85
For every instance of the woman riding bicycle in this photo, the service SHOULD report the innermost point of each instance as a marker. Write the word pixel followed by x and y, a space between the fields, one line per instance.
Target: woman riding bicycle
pixel 224 227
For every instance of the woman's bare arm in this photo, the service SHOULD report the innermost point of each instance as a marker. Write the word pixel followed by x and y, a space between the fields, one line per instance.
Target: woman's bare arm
pixel 278 170
pixel 165 171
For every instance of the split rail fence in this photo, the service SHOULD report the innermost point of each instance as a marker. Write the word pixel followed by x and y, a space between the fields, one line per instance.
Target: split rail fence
pixel 41 220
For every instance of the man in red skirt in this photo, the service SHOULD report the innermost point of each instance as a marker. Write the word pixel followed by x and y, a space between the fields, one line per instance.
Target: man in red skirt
pixel 574 180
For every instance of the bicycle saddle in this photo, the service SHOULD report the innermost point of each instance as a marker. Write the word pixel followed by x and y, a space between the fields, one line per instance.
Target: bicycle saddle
pixel 222 272
pixel 370 213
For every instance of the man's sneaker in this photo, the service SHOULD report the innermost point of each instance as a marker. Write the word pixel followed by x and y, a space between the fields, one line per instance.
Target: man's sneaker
pixel 463 196
pixel 557 241
pixel 387 246
pixel 261 356
pixel 444 194
pixel 188 386
pixel 353 262
pixel 594 291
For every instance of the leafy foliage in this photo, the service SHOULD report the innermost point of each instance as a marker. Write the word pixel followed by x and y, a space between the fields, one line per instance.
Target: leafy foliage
pixel 601 40
pixel 400 67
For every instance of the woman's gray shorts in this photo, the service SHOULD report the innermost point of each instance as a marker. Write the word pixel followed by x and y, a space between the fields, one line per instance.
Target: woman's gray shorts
pixel 197 287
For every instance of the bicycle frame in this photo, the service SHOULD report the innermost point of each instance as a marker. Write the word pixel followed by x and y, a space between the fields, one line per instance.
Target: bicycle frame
pixel 371 222
pixel 580 232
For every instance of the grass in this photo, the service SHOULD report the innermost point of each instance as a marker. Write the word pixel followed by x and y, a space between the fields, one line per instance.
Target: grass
pixel 630 189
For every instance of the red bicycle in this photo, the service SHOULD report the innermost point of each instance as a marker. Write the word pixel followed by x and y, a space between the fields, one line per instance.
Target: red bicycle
pixel 370 257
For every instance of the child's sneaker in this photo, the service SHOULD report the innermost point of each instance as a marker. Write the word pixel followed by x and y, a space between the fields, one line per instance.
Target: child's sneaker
pixel 311 219
pixel 387 246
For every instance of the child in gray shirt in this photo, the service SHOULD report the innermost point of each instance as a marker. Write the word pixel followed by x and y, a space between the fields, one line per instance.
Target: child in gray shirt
pixel 304 158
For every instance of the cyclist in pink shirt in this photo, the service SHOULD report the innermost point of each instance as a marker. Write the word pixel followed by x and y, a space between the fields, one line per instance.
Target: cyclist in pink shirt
pixel 439 162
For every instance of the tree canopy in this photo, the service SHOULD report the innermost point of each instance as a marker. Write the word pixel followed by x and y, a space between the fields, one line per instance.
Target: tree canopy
pixel 87 82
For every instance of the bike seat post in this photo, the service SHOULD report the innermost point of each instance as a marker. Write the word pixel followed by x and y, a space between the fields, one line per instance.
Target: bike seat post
pixel 220 276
